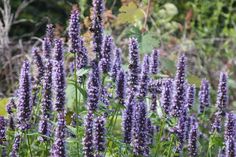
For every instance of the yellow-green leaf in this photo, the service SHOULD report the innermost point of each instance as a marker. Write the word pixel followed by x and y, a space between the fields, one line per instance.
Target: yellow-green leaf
pixel 194 80
pixel 3 103
pixel 130 14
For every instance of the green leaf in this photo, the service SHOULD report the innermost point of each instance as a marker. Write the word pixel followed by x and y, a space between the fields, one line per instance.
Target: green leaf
pixel 3 103
pixel 192 79
pixel 83 71
pixel 149 41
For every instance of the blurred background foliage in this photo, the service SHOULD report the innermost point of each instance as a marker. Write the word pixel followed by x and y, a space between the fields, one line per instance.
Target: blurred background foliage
pixel 204 29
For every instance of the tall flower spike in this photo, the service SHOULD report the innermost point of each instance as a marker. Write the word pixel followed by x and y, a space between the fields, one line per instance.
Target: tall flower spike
pixel 37 59
pixel 150 132
pixel 216 125
pixel 74 32
pixel 134 68
pixel 180 87
pixel 16 146
pixel 58 148
pixel 121 87
pixel 230 147
pixel 58 50
pixel 116 64
pixel 204 95
pixel 154 63
pixel 230 126
pixel 46 46
pixel 88 147
pixel 99 135
pixel 127 119
pixel 82 57
pixel 107 53
pixel 2 130
pixel 166 96
pixel 50 33
pixel 11 104
pixel 154 89
pixel 192 143
pixel 24 107
pixel 93 88
pixel 139 130
pixel 144 79
pixel 222 94
pixel 190 96
pixel 97 27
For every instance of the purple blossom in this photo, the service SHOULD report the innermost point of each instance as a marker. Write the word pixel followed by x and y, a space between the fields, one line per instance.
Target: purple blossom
pixel 47 46
pixel 50 33
pixel 107 53
pixel 116 64
pixel 44 128
pixel 24 107
pixel 222 94
pixel 93 88
pixel 98 7
pixel 88 147
pixel 150 131
pixel 180 87
pixel 74 32
pixel 230 126
pixel 192 143
pixel 16 146
pixel 127 119
pixel 166 96
pixel 190 96
pixel 99 134
pixel 9 108
pixel 216 125
pixel 139 130
pixel 154 88
pixel 154 63
pixel 230 147
pixel 134 68
pixel 58 147
pixel 58 50
pixel 204 95
pixel 121 87
pixel 144 79
pixel 37 59
pixel 2 130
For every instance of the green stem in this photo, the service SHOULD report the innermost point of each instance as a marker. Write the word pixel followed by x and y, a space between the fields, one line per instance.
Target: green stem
pixel 169 150
pixel 159 137
pixel 28 142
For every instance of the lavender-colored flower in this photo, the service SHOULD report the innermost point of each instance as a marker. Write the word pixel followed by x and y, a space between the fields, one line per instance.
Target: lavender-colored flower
pixel 154 63
pixel 98 7
pixel 230 147
pixel 47 46
pixel 150 132
pixel 190 96
pixel 93 88
pixel 139 130
pixel 192 143
pixel 24 107
pixel 37 59
pixel 44 128
pixel 82 57
pixel 58 148
pixel 59 85
pixel 10 105
pixel 166 96
pixel 216 125
pixel 107 53
pixel 180 87
pixel 144 79
pixel 116 64
pixel 88 147
pixel 2 130
pixel 127 119
pixel 154 89
pixel 121 87
pixel 58 50
pixel 134 68
pixel 204 95
pixel 74 32
pixel 50 33
pixel 99 134
pixel 222 94
pixel 230 126
pixel 16 146
pixel 47 90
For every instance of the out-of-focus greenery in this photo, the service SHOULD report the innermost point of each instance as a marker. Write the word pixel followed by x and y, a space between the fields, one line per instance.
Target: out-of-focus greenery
pixel 205 30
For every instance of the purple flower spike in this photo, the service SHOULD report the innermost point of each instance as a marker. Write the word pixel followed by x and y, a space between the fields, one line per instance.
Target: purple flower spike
pixel 10 105
pixel 230 148
pixel 121 87
pixel 59 85
pixel 98 7
pixel 2 130
pixel 222 94
pixel 88 147
pixel 192 143
pixel 216 125
pixel 116 64
pixel 24 107
pixel 44 128
pixel 144 79
pixel 139 130
pixel 180 87
pixel 150 132
pixel 127 119
pixel 74 32
pixel 47 45
pixel 58 148
pixel 107 53
pixel 134 68
pixel 166 96
pixel 154 63
pixel 93 88
pixel 99 134
pixel 190 96
pixel 58 50
pixel 50 33
pixel 230 126
pixel 37 59
pixel 204 95
pixel 82 57
pixel 16 146
pixel 154 89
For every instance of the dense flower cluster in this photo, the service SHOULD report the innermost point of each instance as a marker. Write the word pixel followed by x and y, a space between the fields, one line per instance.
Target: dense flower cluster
pixel 116 66
pixel 204 95
pixel 107 50
pixel 166 96
pixel 99 135
pixel 154 63
pixel 88 147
